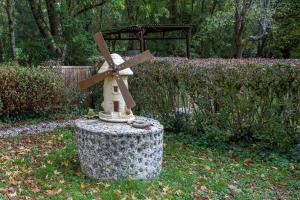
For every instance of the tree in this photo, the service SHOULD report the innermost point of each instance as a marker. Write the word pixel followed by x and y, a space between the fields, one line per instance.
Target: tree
pixel 1 51
pixel 43 27
pixel 54 22
pixel 286 30
pixel 11 29
pixel 240 22
pixel 173 11
pixel 265 11
pixel 132 14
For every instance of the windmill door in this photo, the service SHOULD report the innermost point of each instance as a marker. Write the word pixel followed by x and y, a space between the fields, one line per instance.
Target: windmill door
pixel 116 106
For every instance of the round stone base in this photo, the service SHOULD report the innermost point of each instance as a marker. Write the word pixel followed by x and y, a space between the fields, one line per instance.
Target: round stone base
pixel 118 150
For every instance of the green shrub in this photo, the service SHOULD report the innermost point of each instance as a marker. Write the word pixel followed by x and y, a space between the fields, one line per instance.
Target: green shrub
pixel 249 103
pixel 30 90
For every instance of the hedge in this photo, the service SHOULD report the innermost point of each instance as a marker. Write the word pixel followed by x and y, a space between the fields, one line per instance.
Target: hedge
pixel 25 90
pixel 254 104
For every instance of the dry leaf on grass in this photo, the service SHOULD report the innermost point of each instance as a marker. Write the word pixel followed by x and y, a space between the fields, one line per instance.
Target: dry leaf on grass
pixel 118 192
pixel 82 186
pixel 248 162
pixel 167 190
pixel 54 191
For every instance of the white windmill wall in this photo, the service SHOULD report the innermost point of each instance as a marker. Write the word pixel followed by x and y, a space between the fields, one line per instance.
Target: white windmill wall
pixel 124 114
pixel 110 96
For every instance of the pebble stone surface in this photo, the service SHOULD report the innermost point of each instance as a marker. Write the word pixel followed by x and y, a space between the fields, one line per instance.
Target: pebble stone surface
pixel 35 128
pixel 118 150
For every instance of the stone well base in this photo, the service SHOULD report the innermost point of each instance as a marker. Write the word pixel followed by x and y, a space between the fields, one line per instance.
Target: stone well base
pixel 117 150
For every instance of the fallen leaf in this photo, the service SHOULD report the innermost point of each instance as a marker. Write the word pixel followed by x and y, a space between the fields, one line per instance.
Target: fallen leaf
pixel 82 186
pixel 203 158
pixel 178 192
pixel 292 166
pixel 167 190
pixel 35 189
pixel 12 181
pixel 208 168
pixel 50 142
pixel 203 188
pixel 248 162
pixel 53 191
pixel 183 146
pixel 118 192
pixel 56 172
pixel 95 190
pixel 191 172
pixel 133 197
pixel 200 197
pixel 106 185
pixel 12 195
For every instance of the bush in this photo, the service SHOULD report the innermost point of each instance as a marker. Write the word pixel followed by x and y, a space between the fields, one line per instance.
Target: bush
pixel 30 91
pixel 247 103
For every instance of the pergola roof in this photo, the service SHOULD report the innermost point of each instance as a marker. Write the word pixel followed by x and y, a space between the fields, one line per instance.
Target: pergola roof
pixel 149 28
pixel 140 32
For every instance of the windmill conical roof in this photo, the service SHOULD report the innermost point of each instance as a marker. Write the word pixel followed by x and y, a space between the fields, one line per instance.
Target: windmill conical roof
pixel 117 60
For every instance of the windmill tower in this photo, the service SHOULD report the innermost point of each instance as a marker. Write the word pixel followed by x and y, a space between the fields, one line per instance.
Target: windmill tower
pixel 114 105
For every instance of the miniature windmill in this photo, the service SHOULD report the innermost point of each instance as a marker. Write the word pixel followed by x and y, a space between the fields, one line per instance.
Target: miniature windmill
pixel 118 101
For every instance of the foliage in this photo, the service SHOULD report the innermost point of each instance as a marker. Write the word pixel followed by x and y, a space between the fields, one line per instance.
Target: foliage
pixel 30 90
pixel 246 103
pixel 271 28
pixel 47 167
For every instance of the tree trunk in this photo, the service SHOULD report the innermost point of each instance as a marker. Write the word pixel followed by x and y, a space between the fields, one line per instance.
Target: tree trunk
pixel 42 25
pixel 286 53
pixel 55 26
pixel 203 3
pixel 10 17
pixel 261 47
pixel 132 10
pixel 1 51
pixel 173 11
pixel 239 51
pixel 213 8
pixel 240 21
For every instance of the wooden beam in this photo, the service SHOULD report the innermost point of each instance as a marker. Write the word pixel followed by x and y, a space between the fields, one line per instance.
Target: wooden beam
pixel 170 38
pixel 188 42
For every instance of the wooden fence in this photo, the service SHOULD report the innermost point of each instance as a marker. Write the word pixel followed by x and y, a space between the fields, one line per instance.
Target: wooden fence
pixel 74 74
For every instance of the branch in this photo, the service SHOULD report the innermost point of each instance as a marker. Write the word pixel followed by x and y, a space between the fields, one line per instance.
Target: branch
pixel 90 7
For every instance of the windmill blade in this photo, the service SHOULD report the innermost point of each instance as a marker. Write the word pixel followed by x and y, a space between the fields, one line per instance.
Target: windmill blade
pixel 124 90
pixel 99 39
pixel 135 60
pixel 94 79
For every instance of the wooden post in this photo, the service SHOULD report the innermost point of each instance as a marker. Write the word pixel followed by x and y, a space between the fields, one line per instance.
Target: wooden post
pixel 142 40
pixel 188 42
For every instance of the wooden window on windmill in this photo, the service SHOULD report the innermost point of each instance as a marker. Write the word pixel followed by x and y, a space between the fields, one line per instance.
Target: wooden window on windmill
pixel 116 106
pixel 115 89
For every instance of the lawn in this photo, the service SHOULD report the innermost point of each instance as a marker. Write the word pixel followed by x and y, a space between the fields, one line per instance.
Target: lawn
pixel 47 166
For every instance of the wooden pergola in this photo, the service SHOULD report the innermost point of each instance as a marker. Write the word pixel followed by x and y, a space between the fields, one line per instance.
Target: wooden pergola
pixel 141 32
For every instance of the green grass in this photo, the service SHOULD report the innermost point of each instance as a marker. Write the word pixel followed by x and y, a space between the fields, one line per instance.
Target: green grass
pixel 47 167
